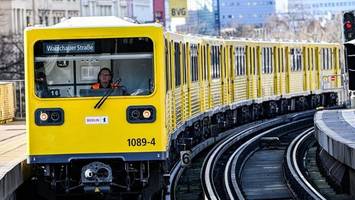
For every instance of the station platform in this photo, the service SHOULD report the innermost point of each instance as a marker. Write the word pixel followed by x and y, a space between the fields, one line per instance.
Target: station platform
pixel 13 167
pixel 335 133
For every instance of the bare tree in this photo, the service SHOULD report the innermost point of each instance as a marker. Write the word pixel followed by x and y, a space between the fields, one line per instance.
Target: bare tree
pixel 11 57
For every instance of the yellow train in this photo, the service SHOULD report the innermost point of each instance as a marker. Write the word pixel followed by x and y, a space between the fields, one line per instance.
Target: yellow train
pixel 166 93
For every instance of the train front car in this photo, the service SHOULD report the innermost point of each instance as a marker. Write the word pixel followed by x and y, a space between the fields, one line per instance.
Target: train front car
pixel 95 105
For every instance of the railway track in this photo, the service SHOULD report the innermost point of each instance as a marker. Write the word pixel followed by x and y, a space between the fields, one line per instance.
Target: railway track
pixel 180 184
pixel 303 173
pixel 253 169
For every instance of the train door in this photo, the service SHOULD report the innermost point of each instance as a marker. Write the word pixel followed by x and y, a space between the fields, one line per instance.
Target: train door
pixel 305 68
pixel 205 79
pixel 169 101
pixel 184 87
pixel 231 75
pixel 311 69
pixel 276 66
pixel 208 81
pixel 253 78
pixel 176 68
pixel 194 87
pixel 259 71
pixel 288 69
pixel 282 70
pixel 267 71
pixel 224 79
pixel 215 86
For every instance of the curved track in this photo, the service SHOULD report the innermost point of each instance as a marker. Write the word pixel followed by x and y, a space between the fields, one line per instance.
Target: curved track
pixel 222 173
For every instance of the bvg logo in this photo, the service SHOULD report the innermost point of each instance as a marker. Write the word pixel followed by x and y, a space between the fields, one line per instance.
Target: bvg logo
pixel 178 12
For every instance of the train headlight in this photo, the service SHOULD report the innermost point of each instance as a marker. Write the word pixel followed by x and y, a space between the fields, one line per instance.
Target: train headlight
pixel 141 114
pixel 49 116
pixel 147 114
pixel 43 116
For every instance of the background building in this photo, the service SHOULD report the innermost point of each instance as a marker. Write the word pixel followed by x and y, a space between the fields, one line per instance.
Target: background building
pixel 241 12
pixel 141 10
pixel 318 8
pixel 200 18
pixel 159 11
pixel 18 14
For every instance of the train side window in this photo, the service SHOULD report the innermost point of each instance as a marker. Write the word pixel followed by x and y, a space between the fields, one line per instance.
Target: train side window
pixel 283 59
pixel 279 59
pixel 218 62
pixel 237 65
pixel 231 60
pixel 184 71
pixel 299 60
pixel 211 61
pixel 326 58
pixel 263 60
pixel 206 63
pixel 243 61
pixel 194 62
pixel 331 58
pixel 255 63
pixel 177 64
pixel 313 59
pixel 268 60
pixel 323 58
pixel 271 60
pixel 293 59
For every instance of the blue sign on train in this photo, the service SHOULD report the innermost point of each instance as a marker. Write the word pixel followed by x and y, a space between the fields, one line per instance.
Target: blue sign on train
pixel 69 47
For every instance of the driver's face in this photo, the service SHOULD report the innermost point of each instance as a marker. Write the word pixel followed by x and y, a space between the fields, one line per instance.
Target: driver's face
pixel 105 76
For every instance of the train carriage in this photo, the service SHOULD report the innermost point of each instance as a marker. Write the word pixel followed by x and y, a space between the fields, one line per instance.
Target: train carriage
pixel 170 92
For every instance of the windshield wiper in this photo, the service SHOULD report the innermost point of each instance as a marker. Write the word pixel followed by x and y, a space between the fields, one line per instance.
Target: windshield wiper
pixel 106 95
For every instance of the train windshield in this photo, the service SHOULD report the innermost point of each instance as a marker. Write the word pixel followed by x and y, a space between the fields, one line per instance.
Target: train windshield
pixel 83 68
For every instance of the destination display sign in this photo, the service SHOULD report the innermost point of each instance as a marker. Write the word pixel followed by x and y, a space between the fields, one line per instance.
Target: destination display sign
pixel 69 47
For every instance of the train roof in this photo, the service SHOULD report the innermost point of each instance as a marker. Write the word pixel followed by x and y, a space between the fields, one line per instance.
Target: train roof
pixel 96 21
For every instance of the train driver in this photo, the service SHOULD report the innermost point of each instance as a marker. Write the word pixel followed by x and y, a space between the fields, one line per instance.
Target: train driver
pixel 104 81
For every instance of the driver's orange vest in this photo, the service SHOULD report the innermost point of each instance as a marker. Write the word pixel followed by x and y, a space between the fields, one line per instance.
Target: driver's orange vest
pixel 96 86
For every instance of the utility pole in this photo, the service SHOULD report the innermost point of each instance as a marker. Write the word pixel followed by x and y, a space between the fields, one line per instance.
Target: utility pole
pixel 217 18
pixel 34 12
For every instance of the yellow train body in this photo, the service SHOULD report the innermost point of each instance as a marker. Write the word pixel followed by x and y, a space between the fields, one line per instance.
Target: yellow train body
pixel 256 78
pixel 177 91
pixel 76 137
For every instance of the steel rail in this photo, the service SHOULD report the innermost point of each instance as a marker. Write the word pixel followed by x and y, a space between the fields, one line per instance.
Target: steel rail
pixel 231 174
pixel 212 158
pixel 304 188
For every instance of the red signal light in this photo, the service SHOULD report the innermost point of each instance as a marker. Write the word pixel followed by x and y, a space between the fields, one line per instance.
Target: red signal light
pixel 348 25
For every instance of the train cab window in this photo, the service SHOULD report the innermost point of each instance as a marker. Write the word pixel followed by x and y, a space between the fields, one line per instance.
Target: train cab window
pixel 70 68
pixel 194 62
pixel 177 64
